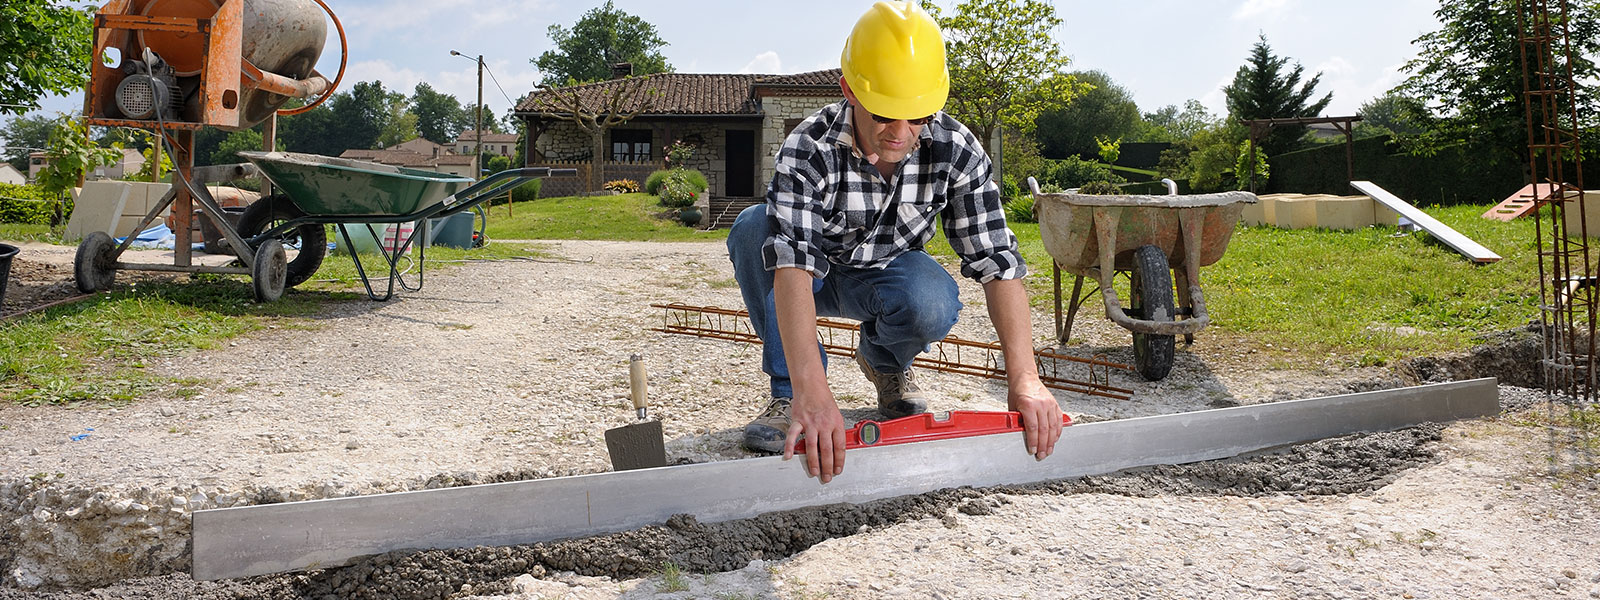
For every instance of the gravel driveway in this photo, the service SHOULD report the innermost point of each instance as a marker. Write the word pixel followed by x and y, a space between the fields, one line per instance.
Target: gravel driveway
pixel 513 370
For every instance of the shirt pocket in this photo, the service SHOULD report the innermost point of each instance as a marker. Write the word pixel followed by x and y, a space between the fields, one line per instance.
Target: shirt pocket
pixel 917 212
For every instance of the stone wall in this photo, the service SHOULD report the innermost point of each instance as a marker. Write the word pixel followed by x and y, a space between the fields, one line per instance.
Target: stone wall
pixel 780 110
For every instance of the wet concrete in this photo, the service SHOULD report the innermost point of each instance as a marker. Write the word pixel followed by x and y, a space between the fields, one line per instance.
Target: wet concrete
pixel 1344 465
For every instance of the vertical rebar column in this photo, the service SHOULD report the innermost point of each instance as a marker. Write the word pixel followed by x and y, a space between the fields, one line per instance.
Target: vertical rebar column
pixel 1567 287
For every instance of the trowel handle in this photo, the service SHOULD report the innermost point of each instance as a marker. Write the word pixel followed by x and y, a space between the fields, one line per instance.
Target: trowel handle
pixel 639 389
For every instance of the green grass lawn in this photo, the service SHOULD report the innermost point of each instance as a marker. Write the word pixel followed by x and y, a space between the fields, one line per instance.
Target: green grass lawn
pixel 625 217
pixel 1350 296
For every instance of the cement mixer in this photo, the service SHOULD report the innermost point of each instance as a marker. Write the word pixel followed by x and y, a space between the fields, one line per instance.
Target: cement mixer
pixel 175 66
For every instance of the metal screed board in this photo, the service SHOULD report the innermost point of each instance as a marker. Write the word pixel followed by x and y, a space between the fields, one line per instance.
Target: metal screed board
pixel 255 540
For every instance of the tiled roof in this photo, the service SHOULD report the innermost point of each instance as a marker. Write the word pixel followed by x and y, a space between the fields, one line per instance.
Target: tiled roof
pixel 823 78
pixel 675 94
pixel 399 158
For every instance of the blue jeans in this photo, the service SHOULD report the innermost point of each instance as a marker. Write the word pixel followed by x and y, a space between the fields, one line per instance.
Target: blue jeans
pixel 902 308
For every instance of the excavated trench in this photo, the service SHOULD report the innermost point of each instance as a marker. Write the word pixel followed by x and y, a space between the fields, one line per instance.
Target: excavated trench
pixel 1344 465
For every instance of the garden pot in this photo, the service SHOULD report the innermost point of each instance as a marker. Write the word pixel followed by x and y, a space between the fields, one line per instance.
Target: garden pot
pixel 690 216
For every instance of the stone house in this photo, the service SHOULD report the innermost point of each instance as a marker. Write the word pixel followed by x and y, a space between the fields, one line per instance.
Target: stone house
pixel 736 122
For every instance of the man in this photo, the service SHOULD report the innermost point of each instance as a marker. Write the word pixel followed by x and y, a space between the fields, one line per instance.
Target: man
pixel 857 190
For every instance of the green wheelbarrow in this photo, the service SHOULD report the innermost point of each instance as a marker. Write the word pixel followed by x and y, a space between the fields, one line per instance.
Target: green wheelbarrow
pixel 1149 238
pixel 320 190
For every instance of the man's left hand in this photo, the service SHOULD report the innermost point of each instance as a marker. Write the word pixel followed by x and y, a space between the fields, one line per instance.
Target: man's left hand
pixel 1041 416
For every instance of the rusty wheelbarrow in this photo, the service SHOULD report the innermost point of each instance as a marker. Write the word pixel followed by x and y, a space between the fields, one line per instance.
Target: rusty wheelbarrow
pixel 1148 238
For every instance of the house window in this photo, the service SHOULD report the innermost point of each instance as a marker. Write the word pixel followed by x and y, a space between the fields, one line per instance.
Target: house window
pixel 630 145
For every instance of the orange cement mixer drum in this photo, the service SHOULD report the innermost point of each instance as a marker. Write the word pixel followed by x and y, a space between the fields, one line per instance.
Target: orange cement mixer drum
pixel 184 51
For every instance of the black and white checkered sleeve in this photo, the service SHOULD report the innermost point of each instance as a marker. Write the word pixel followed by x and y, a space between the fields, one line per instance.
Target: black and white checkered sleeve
pixel 975 220
pixel 793 200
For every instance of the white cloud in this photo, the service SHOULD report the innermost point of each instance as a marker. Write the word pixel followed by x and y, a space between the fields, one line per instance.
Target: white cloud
pixel 766 62
pixel 394 78
pixel 1253 9
pixel 1334 67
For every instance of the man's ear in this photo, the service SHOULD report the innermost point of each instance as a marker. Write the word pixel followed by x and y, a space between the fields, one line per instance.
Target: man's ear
pixel 845 87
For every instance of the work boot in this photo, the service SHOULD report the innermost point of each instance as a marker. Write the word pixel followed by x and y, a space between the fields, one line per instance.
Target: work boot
pixel 898 395
pixel 768 432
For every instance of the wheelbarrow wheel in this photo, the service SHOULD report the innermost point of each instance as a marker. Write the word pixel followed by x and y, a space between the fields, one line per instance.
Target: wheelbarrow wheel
pixel 93 267
pixel 1151 291
pixel 304 246
pixel 268 272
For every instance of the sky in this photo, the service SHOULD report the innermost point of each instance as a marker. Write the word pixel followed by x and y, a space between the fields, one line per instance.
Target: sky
pixel 1163 51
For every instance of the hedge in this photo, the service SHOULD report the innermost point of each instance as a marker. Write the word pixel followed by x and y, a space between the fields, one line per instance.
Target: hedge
pixel 26 204
pixel 1446 179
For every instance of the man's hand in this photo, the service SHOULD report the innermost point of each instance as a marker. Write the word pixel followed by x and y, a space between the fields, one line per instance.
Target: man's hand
pixel 817 416
pixel 1041 416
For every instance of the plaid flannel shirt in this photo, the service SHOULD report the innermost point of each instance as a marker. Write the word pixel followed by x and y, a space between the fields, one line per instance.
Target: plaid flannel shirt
pixel 827 205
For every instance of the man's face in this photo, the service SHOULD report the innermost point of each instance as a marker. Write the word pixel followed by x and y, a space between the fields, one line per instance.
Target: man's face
pixel 891 142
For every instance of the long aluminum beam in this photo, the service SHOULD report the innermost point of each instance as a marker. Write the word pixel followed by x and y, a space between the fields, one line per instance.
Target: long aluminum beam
pixel 256 540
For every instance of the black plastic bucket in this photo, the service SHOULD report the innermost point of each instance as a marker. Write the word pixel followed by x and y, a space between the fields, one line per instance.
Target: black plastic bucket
pixel 7 252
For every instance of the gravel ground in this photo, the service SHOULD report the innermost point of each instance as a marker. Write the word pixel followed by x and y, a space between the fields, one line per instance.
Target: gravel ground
pixel 512 370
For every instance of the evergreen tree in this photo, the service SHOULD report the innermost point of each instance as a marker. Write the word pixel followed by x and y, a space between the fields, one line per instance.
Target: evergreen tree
pixel 1264 89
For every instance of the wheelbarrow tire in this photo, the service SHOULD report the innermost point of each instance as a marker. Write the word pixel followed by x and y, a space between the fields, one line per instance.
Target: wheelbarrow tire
pixel 267 275
pixel 1151 288
pixel 262 214
pixel 93 267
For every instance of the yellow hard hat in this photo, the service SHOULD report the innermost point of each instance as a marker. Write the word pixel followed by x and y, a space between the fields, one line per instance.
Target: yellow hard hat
pixel 894 61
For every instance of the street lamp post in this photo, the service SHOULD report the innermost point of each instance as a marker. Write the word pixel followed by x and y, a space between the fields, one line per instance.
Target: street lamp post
pixel 478 155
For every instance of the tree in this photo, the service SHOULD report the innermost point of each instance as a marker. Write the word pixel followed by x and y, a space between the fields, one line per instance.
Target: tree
pixel 71 155
pixel 1262 90
pixel 44 48
pixel 1214 156
pixel 1005 65
pixel 358 117
pixel 399 124
pixel 439 116
pixel 311 131
pixel 27 134
pixel 1470 72
pixel 626 100
pixel 1393 114
pixel 1174 125
pixel 1106 111
pixel 244 139
pixel 601 38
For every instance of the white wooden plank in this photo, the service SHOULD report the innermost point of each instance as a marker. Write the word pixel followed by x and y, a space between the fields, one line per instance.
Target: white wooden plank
pixel 1444 233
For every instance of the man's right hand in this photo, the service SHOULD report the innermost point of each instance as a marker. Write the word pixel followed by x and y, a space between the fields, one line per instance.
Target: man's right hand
pixel 817 416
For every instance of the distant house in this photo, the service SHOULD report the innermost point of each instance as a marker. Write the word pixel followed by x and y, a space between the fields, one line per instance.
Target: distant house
pixel 454 164
pixel 503 144
pixel 10 175
pixel 129 163
pixel 423 146
pixel 736 121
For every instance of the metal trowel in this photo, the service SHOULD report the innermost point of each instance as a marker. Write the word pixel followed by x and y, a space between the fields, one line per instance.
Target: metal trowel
pixel 640 445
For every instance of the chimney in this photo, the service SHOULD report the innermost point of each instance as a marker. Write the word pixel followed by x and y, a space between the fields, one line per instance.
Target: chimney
pixel 621 69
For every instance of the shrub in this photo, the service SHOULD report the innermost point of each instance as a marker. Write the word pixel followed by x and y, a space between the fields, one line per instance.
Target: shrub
pixel 696 179
pixel 1074 172
pixel 679 152
pixel 626 186
pixel 1020 210
pixel 1100 188
pixel 652 184
pixel 677 193
pixel 527 192
pixel 26 204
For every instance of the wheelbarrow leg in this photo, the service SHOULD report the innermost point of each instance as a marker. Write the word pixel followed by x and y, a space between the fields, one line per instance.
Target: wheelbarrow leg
pixel 1074 302
pixel 1185 304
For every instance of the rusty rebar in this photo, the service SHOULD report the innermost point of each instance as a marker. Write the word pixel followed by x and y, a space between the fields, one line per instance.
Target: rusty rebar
pixel 949 355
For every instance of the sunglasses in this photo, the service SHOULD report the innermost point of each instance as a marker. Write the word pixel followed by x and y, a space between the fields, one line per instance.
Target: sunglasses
pixel 920 121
